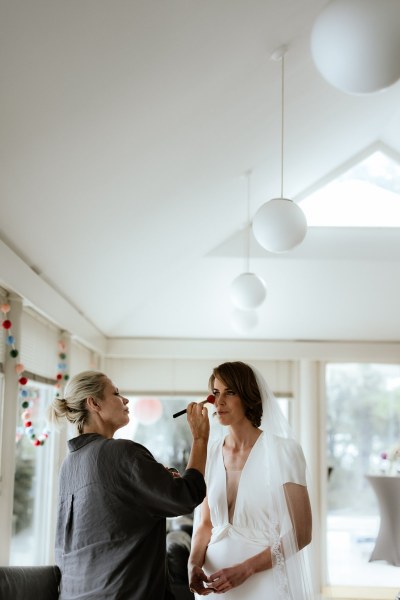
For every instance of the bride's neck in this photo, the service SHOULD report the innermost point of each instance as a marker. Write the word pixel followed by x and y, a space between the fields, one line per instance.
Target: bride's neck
pixel 241 438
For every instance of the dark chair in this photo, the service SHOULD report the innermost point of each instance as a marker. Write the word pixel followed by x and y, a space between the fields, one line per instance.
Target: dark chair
pixel 29 583
pixel 178 550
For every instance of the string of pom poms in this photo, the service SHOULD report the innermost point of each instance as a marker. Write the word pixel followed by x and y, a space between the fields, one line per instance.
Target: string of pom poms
pixel 27 396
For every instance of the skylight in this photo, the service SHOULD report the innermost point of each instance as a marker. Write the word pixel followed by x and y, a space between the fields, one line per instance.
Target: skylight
pixel 365 195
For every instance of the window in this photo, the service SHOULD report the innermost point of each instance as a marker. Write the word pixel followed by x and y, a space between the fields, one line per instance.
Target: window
pixel 363 420
pixel 151 424
pixel 1 416
pixel 367 194
pixel 33 508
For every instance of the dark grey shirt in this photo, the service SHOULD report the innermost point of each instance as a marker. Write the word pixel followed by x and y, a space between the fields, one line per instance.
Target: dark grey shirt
pixel 113 501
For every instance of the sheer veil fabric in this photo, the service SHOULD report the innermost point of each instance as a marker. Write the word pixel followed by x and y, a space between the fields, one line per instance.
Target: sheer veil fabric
pixel 290 567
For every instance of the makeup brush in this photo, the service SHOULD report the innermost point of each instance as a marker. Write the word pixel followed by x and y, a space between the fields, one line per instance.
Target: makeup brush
pixel 210 399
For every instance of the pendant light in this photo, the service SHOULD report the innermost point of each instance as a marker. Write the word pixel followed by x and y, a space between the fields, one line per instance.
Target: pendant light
pixel 279 225
pixel 355 44
pixel 248 290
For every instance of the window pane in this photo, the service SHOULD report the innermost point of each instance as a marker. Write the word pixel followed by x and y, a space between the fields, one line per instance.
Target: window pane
pixel 363 420
pixel 33 482
pixel 151 424
pixel 366 195
pixel 1 415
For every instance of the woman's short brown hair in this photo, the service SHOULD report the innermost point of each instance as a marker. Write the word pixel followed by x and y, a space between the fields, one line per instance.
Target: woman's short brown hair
pixel 240 378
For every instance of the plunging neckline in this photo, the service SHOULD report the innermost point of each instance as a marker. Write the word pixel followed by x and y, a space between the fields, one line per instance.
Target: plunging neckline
pixel 240 478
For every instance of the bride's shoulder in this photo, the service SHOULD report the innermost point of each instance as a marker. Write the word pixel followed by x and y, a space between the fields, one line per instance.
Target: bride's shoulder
pixel 287 446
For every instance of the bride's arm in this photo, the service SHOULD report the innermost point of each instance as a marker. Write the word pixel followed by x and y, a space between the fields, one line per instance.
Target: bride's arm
pixel 299 506
pixel 200 540
pixel 230 577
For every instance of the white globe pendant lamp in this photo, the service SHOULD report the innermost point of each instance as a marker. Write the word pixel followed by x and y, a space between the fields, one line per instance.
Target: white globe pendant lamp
pixel 355 44
pixel 247 290
pixel 280 225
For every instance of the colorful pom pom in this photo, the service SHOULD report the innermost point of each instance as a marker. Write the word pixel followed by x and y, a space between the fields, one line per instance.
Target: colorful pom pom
pixel 7 324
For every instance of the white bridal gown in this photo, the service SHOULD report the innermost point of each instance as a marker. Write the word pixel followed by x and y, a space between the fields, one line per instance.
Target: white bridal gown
pixel 247 535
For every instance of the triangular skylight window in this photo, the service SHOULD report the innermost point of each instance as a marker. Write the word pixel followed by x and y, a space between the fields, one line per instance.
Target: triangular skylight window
pixel 367 194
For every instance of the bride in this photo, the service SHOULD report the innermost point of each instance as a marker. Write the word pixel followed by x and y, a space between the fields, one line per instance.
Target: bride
pixel 256 518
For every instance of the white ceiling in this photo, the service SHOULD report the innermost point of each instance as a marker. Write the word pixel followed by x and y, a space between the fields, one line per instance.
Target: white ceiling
pixel 126 130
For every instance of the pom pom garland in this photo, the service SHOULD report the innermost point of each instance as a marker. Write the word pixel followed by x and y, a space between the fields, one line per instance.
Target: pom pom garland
pixel 28 395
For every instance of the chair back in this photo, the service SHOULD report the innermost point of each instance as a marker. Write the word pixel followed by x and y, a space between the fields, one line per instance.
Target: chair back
pixel 29 583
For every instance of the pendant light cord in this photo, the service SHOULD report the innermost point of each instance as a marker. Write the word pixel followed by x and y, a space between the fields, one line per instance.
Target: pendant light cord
pixel 282 117
pixel 247 263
